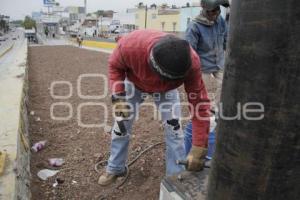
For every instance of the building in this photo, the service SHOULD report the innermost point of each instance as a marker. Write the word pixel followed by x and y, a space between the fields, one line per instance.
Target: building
pixel 163 18
pixel 187 14
pixel 123 22
pixel 89 27
pixel 75 13
pixel 168 18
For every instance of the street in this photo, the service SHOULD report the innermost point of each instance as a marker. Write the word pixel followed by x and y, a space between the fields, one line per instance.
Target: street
pixel 10 57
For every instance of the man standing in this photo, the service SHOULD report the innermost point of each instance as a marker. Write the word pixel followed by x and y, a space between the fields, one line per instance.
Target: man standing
pixel 156 63
pixel 79 40
pixel 207 34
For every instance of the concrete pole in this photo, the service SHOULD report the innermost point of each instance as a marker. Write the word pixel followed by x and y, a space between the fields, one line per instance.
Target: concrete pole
pixel 85 6
pixel 146 16
pixel 260 159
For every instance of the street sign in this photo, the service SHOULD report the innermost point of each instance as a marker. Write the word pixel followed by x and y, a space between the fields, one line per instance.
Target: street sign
pixel 49 2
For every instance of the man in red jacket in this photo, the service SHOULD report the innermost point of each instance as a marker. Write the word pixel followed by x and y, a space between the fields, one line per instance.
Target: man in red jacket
pixel 156 63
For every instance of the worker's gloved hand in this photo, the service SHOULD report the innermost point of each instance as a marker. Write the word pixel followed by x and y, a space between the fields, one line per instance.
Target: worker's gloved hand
pixel 196 158
pixel 121 107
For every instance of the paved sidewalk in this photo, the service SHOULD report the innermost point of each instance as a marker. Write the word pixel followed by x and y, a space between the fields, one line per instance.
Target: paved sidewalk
pixel 5 47
pixel 11 85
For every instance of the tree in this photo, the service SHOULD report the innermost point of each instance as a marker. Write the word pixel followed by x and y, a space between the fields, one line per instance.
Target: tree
pixel 29 23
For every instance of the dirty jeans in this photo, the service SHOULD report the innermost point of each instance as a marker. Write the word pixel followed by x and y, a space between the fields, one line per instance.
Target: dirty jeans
pixel 168 104
pixel 213 85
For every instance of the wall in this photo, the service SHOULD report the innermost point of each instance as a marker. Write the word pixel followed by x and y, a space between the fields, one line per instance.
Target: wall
pixel 185 13
pixel 15 181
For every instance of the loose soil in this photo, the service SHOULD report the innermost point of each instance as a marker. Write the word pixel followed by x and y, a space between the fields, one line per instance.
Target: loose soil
pixel 82 147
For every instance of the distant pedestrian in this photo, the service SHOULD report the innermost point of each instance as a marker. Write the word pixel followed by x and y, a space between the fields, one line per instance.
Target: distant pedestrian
pixel 79 40
pixel 46 31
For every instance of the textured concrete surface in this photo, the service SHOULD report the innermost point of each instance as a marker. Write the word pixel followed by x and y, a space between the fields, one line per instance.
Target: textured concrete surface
pixel 12 66
pixel 186 186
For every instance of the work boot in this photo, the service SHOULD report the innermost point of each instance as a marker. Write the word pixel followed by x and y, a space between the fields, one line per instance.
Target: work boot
pixel 107 179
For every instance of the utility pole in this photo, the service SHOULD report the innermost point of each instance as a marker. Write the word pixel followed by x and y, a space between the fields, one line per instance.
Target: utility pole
pixel 101 24
pixel 146 16
pixel 260 159
pixel 85 7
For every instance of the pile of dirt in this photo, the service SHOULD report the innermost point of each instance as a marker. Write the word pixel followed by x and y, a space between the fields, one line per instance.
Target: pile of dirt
pixel 82 147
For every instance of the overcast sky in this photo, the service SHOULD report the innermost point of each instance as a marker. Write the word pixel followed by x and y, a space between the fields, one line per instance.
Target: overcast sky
pixel 18 9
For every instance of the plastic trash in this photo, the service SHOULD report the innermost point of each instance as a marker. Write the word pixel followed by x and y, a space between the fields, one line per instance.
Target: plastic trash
pixel 44 174
pixel 56 162
pixel 39 146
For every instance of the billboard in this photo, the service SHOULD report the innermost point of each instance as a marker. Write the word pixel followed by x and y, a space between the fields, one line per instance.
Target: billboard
pixel 49 2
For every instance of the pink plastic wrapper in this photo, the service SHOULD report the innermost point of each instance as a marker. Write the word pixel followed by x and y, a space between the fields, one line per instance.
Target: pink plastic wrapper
pixel 39 146
pixel 56 162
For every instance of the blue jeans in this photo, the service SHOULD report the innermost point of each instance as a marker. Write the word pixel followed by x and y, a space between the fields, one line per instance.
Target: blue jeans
pixel 168 104
pixel 188 133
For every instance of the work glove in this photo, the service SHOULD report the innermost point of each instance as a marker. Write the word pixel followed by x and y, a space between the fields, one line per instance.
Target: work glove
pixel 196 158
pixel 121 107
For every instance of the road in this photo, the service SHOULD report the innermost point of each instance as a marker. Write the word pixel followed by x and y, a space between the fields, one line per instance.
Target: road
pixel 10 57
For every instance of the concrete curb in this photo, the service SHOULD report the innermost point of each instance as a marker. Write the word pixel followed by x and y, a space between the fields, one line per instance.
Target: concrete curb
pixel 15 179
pixel 98 44
pixel 22 189
pixel 6 50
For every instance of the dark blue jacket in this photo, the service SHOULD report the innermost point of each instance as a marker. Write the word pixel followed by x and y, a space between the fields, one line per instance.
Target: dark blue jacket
pixel 209 42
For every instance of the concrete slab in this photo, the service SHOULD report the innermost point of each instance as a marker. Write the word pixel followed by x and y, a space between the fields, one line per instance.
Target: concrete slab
pixel 186 186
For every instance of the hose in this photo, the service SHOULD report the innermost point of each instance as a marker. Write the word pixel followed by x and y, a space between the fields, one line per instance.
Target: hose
pixel 96 167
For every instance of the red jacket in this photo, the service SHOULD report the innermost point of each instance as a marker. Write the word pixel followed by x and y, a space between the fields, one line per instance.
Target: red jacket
pixel 130 59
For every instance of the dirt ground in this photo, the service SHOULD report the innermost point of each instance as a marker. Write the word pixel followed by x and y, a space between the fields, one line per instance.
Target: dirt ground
pixel 82 147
